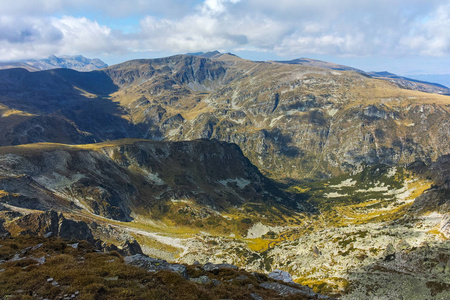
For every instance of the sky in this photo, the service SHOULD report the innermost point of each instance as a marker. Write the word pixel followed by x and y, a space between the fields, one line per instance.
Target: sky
pixel 401 36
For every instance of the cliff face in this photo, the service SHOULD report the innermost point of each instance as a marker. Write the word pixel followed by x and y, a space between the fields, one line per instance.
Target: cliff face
pixel 127 178
pixel 437 198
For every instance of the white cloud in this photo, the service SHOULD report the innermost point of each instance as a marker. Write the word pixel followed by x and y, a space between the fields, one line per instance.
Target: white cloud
pixel 432 37
pixel 81 33
pixel 290 28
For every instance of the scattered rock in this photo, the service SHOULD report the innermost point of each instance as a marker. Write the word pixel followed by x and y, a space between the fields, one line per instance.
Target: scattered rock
pixel 74 245
pixel 16 257
pixel 281 275
pixel 241 277
pixel 37 247
pixel 216 282
pixel 202 279
pixel 256 296
pixel 316 251
pixel 389 253
pixel 285 290
pixel 40 260
pixel 154 265
pixel 210 267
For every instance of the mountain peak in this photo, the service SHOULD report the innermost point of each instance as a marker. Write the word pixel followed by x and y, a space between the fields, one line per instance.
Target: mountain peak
pixel 76 62
pixel 205 54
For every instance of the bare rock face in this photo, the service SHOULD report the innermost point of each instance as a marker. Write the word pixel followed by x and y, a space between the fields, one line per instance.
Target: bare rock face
pixel 3 232
pixel 127 248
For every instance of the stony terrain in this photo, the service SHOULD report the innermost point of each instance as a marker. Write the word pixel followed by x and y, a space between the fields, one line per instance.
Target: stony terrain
pixel 47 267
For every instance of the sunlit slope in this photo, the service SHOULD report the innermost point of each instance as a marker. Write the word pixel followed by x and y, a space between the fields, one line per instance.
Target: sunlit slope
pixel 292 121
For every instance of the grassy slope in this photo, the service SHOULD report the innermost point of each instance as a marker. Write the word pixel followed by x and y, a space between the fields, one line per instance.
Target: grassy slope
pixel 87 274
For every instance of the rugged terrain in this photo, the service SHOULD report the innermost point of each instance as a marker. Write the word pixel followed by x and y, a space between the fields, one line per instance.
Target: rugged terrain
pixel 128 179
pixel 361 234
pixel 35 265
pixel 292 121
pixel 342 179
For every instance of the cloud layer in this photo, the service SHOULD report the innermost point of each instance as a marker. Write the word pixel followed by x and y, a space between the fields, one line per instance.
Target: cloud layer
pixel 288 28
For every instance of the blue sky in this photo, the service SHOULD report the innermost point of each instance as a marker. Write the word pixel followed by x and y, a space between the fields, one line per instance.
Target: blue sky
pixel 404 37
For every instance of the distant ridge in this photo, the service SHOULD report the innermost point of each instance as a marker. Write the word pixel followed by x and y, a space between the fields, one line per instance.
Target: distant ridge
pixel 403 82
pixel 443 79
pixel 320 64
pixel 77 62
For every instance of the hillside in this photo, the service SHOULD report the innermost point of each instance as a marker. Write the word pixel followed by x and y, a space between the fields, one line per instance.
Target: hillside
pixel 292 121
pixel 339 178
pixel 129 179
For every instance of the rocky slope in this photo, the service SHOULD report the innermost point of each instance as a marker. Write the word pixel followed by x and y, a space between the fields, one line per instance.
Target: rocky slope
pixel 48 268
pixel 358 231
pixel 77 62
pixel 292 121
pixel 125 179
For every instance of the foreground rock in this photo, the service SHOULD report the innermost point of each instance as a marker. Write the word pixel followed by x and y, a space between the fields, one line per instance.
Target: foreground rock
pixel 281 275
pixel 154 264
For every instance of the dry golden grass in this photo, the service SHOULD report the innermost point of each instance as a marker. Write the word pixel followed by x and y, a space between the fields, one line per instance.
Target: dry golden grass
pixel 29 149
pixel 87 274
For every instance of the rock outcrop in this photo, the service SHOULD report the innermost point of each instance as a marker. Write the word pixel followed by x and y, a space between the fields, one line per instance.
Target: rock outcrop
pixel 155 265
pixel 52 224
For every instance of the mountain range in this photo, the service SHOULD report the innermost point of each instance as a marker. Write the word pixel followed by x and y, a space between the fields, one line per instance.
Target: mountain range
pixel 336 175
pixel 77 62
